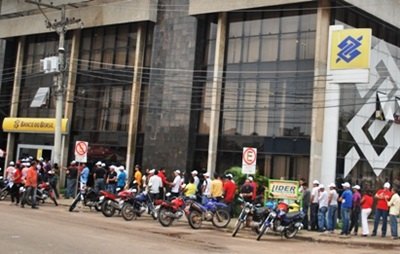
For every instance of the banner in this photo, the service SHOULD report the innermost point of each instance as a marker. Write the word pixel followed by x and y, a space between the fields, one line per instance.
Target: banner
pixel 33 125
pixel 282 189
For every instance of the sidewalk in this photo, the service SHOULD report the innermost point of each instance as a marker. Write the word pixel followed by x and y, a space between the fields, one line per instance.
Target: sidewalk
pixel 336 238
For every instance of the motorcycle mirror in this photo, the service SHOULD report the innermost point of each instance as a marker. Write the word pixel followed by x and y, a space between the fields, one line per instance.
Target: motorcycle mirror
pixel 168 194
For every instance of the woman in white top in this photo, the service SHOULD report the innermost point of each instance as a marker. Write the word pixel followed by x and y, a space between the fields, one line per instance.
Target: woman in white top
pixel 332 207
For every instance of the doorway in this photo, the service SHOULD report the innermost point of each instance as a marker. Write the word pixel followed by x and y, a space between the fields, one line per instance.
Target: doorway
pixel 36 151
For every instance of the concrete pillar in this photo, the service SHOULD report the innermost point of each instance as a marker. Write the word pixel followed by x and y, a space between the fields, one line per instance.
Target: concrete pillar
pixel 69 99
pixel 320 65
pixel 15 97
pixel 135 98
pixel 216 92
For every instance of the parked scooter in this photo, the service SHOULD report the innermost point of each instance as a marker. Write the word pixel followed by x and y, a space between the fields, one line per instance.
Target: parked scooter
pixel 136 206
pixel 279 220
pixel 212 210
pixel 115 202
pixel 43 192
pixel 173 210
pixel 5 188
pixel 251 215
pixel 89 198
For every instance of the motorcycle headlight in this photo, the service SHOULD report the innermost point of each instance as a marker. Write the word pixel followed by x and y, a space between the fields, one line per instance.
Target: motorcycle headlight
pixel 247 210
pixel 101 198
pixel 273 214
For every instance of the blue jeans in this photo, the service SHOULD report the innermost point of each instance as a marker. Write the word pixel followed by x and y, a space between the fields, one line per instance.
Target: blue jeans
pixel 71 188
pixel 322 218
pixel 345 212
pixel 393 225
pixel 378 214
pixel 332 217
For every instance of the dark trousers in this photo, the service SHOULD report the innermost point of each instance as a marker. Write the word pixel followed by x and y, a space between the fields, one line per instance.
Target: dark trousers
pixel 15 192
pixel 354 218
pixel 71 188
pixel 305 220
pixel 30 191
pixel 314 216
pixel 378 214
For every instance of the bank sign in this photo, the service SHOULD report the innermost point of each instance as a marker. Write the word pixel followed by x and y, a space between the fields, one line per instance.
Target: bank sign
pixel 33 125
pixel 282 189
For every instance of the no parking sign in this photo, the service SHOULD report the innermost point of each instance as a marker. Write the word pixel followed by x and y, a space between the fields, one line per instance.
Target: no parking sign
pixel 249 160
pixel 81 149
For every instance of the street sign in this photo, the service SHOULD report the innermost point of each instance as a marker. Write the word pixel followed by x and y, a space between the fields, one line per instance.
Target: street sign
pixel 249 160
pixel 81 149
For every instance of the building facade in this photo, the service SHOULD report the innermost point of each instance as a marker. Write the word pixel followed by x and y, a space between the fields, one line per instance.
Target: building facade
pixel 187 84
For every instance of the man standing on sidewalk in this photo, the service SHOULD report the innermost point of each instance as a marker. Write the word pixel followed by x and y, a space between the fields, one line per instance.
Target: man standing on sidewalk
pixel 30 185
pixel 394 210
pixel 314 206
pixel 381 208
pixel 323 208
pixel 332 207
pixel 356 209
pixel 347 203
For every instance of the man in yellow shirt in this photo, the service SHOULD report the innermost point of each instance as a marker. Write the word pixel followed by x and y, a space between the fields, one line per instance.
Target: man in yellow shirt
pixel 191 188
pixel 217 187
pixel 138 176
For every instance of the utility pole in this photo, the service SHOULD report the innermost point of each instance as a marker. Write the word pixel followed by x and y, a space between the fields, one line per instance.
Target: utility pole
pixel 61 28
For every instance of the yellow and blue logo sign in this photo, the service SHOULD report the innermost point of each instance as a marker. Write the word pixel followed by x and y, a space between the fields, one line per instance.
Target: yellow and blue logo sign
pixel 350 49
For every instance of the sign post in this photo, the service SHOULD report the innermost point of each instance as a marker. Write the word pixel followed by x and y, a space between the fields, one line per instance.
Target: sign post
pixel 81 149
pixel 249 160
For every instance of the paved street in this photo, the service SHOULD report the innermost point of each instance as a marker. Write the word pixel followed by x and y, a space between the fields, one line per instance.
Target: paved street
pixel 55 230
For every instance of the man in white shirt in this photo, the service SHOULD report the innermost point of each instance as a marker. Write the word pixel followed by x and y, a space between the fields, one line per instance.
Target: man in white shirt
pixel 323 208
pixel 206 187
pixel 176 183
pixel 155 183
pixel 196 178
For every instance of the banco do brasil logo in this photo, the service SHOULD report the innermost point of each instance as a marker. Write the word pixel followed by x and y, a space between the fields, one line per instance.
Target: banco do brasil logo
pixel 349 49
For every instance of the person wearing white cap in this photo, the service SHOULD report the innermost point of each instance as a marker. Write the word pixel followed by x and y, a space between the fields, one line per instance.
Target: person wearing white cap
pixel 382 209
pixel 121 178
pixel 356 209
pixel 196 178
pixel 155 183
pixel 322 208
pixel 332 207
pixel 176 183
pixel 206 186
pixel 347 203
pixel 314 206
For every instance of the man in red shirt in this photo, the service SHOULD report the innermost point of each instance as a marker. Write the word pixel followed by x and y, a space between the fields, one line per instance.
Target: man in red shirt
pixel 161 174
pixel 382 208
pixel 254 185
pixel 229 192
pixel 30 185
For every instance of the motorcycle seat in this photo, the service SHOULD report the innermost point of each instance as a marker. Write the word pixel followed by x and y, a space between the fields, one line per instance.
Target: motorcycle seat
pixel 292 214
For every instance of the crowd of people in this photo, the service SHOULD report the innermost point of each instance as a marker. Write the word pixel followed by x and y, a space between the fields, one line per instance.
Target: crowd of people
pixel 324 206
pixel 352 205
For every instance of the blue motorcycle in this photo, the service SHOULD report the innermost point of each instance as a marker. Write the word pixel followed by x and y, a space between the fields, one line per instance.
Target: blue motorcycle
pixel 212 210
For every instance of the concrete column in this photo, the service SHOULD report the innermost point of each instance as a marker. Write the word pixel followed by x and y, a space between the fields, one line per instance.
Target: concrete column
pixel 69 99
pixel 320 65
pixel 15 97
pixel 135 98
pixel 216 92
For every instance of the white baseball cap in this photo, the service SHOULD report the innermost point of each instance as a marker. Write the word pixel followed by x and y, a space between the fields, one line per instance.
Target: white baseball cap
pixel 178 171
pixel 321 186
pixel 386 185
pixel 98 163
pixel 194 172
pixel 315 182
pixel 206 174
pixel 12 163
pixel 346 185
pixel 357 187
pixel 332 185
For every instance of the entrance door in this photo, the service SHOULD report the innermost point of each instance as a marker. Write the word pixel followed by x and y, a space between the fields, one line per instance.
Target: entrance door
pixel 36 151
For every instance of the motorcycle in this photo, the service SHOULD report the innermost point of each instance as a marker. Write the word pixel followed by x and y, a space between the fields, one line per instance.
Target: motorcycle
pixel 89 197
pixel 174 209
pixel 212 210
pixel 5 188
pixel 43 192
pixel 279 220
pixel 135 207
pixel 250 214
pixel 115 202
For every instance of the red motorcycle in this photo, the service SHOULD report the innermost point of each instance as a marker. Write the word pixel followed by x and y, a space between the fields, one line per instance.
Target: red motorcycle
pixel 173 210
pixel 43 192
pixel 114 202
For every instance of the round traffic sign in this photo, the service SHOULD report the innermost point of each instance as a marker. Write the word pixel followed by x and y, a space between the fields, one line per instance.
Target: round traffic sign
pixel 81 148
pixel 249 156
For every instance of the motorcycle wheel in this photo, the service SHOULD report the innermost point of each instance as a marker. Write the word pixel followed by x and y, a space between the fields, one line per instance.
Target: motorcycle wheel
pixel 97 206
pixel 73 205
pixel 107 209
pixel 263 230
pixel 128 212
pixel 221 218
pixel 195 219
pixel 163 218
pixel 290 232
pixel 3 194
pixel 238 225
pixel 154 213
